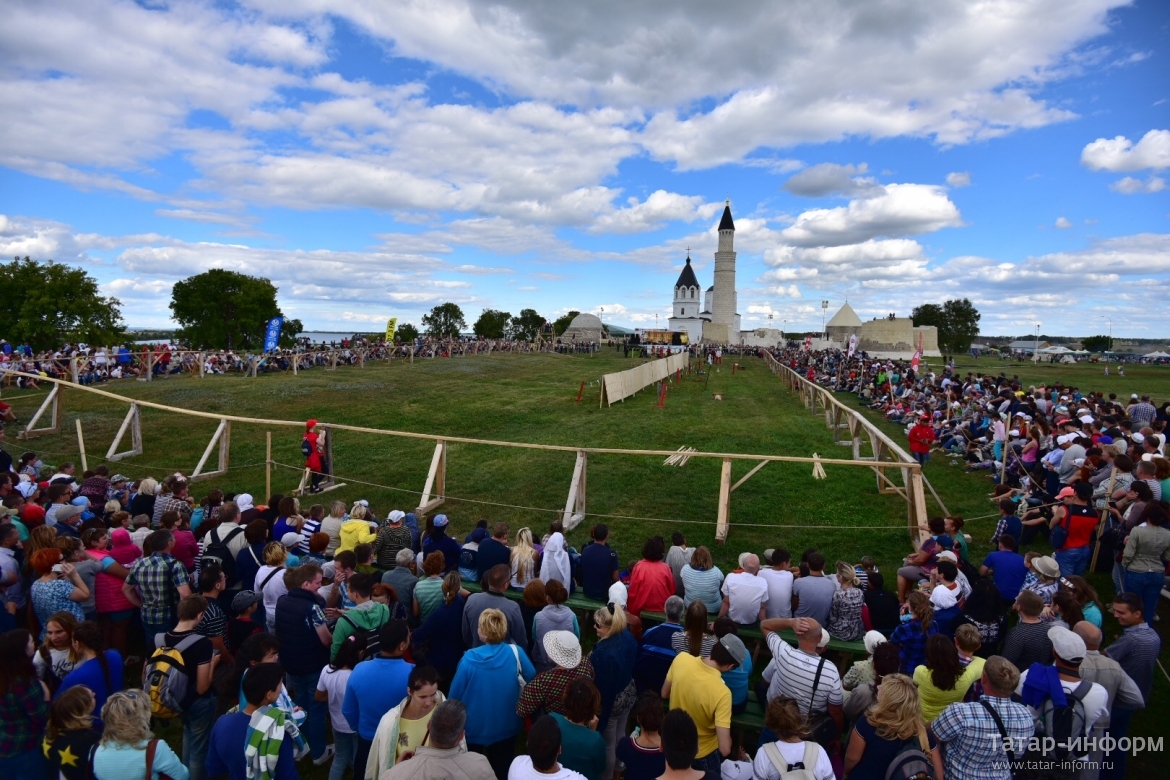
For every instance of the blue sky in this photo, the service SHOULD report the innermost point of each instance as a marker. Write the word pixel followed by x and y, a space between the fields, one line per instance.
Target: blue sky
pixel 374 160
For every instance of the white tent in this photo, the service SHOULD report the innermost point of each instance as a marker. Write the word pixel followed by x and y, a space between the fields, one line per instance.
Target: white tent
pixel 1056 350
pixel 1157 355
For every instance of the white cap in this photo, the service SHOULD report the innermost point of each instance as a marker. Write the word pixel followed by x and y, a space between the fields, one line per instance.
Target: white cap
pixel 1067 645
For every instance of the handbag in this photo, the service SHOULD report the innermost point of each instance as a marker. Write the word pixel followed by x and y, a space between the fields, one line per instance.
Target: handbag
pixel 150 749
pixel 519 669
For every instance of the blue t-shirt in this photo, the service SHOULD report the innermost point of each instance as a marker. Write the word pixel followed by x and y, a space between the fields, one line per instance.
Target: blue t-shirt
pixel 90 675
pixel 879 752
pixel 225 750
pixel 598 563
pixel 374 688
pixel 737 681
pixel 1008 571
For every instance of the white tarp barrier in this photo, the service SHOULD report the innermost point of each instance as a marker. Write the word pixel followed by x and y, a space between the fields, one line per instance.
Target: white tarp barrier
pixel 623 384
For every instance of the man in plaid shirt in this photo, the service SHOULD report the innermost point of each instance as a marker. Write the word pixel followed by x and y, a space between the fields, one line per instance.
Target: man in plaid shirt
pixel 176 500
pixel 976 746
pixel 162 582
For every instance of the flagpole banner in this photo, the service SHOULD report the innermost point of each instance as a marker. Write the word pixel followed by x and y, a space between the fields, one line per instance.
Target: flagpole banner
pixel 391 326
pixel 852 344
pixel 272 334
pixel 917 355
pixel 807 343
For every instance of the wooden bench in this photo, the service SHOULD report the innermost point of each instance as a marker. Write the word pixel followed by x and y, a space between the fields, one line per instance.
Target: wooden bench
pixel 576 602
pixel 787 634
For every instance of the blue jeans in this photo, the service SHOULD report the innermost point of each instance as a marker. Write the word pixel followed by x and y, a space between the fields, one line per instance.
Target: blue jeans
pixel 30 763
pixel 1148 587
pixel 1073 561
pixel 304 689
pixel 197 720
pixel 346 746
pixel 1118 727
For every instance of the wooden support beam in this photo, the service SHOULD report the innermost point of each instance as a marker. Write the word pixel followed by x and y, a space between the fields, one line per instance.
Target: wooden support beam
pixel 222 437
pixel 73 371
pixel 52 404
pixel 723 519
pixel 918 513
pixel 202 364
pixel 296 361
pixel 749 475
pixel 946 512
pixel 81 446
pixel 436 480
pixel 267 465
pixel 575 503
pixel 133 423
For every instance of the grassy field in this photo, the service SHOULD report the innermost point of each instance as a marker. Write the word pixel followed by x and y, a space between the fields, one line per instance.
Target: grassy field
pixel 530 398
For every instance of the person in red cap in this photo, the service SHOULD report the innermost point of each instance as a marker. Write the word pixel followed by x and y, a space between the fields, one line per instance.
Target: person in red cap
pixel 921 437
pixel 312 447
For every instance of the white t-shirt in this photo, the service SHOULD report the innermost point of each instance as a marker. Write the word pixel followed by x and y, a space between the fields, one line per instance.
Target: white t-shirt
pixel 745 593
pixel 792 753
pixel 1096 702
pixel 522 769
pixel 333 683
pixel 943 597
pixel 779 592
pixel 272 591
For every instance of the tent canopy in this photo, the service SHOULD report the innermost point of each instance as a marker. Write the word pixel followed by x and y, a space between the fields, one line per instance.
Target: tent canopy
pixel 1158 354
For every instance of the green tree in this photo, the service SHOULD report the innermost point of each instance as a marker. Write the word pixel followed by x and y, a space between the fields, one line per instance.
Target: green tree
pixel 957 322
pixel 289 330
pixel 1097 343
pixel 492 324
pixel 444 321
pixel 406 333
pixel 561 324
pixel 526 326
pixel 49 304
pixel 220 309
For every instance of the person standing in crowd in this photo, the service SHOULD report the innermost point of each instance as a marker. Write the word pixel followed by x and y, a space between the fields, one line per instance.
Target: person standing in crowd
pixel 1147 549
pixel 1006 567
pixel 1027 642
pixel 1120 688
pixel 944 679
pixel 428 593
pixel 493 597
pixel 553 617
pixel 812 596
pixel 845 621
pixel 651 581
pixel 114 610
pixel 641 752
pixel 544 749
pixel 404 729
pixel 437 541
pixel 701 580
pixel 127 742
pixel 599 564
pixel 155 584
pixel 444 755
pixel 228 751
pixel 916 628
pixel 313 448
pixel 695 685
pixel 99 671
pixel 582 747
pixel 1136 651
pixel 71 735
pixel 613 660
pixel 745 595
pixel 197 707
pixel 331 689
pixel 488 682
pixel 375 686
pixel 882 604
pixel 24 708
pixel 1077 522
pixel 402 578
pixel 440 638
pixel 976 733
pixel 546 691
pixel 392 537
pixel 680 746
pixel 58 588
pixel 299 622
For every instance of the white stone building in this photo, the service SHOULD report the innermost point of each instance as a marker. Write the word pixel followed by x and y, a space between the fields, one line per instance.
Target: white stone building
pixel 710 316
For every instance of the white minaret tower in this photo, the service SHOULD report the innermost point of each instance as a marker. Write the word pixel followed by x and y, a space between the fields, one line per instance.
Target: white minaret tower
pixel 723 301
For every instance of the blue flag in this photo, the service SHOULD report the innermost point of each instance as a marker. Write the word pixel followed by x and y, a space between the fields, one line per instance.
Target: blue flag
pixel 272 335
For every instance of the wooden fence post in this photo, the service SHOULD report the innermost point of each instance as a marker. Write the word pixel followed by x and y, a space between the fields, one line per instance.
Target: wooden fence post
pixel 267 465
pixel 81 446
pixel 724 517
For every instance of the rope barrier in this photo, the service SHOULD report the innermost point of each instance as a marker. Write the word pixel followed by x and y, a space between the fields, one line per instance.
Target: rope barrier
pixel 448 497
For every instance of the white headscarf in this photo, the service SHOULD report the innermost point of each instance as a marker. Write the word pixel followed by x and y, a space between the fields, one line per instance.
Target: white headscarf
pixel 554 565
pixel 244 501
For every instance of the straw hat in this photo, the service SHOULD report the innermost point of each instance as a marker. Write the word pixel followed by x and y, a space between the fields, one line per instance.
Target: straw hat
pixel 563 648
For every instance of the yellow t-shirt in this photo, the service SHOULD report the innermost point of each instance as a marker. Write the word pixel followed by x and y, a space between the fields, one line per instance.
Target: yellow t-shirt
pixel 699 690
pixel 411 733
pixel 934 700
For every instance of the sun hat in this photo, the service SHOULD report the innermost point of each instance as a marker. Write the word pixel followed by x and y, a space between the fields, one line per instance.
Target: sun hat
pixel 245 599
pixel 563 649
pixel 872 639
pixel 440 521
pixel 1047 566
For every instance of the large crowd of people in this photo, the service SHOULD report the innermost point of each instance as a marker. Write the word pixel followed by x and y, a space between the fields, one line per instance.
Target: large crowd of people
pixel 282 634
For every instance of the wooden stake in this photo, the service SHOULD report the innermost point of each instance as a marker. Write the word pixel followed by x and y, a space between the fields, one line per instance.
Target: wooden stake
pixel 1104 514
pixel 81 446
pixel 436 480
pixel 133 423
pixel 268 465
pixel 723 519
pixel 52 404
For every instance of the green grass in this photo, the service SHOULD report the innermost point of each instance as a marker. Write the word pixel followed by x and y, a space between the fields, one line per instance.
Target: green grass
pixel 530 398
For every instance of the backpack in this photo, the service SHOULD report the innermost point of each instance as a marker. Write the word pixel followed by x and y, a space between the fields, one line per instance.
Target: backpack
pixel 306 447
pixel 217 552
pixel 802 770
pixel 165 677
pixel 1063 724
pixel 373 637
pixel 912 761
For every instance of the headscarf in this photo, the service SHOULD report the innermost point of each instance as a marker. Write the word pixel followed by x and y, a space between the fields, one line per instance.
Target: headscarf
pixel 555 563
pixel 244 502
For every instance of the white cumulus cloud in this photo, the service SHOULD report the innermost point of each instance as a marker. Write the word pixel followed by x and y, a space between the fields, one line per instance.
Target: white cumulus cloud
pixel 958 179
pixel 1128 185
pixel 900 209
pixel 1121 155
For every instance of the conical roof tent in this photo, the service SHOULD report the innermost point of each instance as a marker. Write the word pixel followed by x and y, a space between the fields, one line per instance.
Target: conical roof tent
pixel 845 318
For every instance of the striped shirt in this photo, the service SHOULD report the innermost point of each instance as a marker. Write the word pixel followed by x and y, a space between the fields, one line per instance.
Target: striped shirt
pixel 680 643
pixel 214 622
pixel 1136 650
pixel 794 673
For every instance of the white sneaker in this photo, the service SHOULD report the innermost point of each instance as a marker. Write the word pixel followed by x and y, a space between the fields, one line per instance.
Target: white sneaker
pixel 326 756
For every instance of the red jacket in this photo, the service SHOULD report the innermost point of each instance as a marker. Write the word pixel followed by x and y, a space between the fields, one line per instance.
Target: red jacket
pixel 651 584
pixel 921 437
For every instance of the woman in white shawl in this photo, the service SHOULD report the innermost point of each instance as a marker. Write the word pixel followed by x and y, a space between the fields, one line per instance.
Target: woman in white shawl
pixel 554 564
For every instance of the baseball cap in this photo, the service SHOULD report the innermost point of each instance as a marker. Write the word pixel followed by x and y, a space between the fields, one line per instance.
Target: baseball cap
pixel 948 555
pixel 291 539
pixel 734 646
pixel 397 516
pixel 439 521
pixel 1139 437
pixel 245 599
pixel 1066 492
pixel 114 480
pixel 1067 645
pixel 26 489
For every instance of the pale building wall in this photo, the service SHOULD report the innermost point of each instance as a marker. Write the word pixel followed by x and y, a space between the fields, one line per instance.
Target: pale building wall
pixel 723 302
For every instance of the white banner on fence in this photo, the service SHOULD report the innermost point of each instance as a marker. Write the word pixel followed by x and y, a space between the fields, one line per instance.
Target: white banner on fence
pixel 623 384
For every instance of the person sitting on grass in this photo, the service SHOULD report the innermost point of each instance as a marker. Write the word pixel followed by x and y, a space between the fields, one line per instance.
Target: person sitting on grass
pixel 238 751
